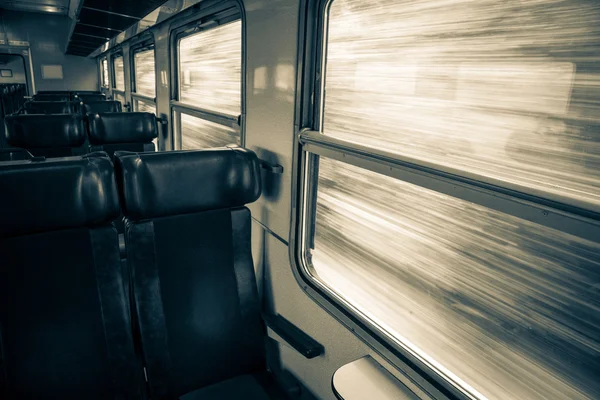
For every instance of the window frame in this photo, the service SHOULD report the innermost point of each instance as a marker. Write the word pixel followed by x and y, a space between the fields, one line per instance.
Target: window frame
pixel 214 16
pixel 562 213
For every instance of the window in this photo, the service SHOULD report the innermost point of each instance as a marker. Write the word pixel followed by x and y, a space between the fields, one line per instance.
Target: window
pixel 146 106
pixel 450 137
pixel 119 71
pixel 210 87
pixel 119 97
pixel 145 75
pixel 104 65
pixel 145 82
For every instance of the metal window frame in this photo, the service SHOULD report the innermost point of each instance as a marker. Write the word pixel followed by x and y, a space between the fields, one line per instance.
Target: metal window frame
pixel 213 16
pixel 569 215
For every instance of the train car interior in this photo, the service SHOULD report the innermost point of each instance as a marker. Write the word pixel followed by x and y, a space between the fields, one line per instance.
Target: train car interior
pixel 300 199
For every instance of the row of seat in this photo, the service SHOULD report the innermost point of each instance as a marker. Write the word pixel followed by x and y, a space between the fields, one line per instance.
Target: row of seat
pixel 195 329
pixel 80 95
pixel 71 107
pixel 62 135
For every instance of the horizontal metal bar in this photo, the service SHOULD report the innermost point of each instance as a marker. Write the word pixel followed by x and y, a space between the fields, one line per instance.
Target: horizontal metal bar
pixel 212 116
pixel 100 27
pixel 111 13
pixel 118 91
pixel 504 200
pixel 564 203
pixel 147 99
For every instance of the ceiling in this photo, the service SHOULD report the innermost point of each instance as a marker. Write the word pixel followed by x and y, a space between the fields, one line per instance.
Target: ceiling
pixel 101 20
pixel 57 7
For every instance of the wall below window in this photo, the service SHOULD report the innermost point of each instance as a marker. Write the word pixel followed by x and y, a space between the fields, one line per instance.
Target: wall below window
pixel 47 35
pixel 17 67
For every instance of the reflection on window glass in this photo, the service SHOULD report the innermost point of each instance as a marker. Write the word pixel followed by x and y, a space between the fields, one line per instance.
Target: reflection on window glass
pixel 507 306
pixel 510 90
pixel 105 81
pixel 119 73
pixel 145 78
pixel 197 133
pixel 210 69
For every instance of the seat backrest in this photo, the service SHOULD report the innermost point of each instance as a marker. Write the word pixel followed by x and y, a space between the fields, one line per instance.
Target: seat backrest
pixel 58 135
pixel 102 106
pixel 188 247
pixel 52 97
pixel 65 328
pixel 52 107
pixel 90 97
pixel 132 131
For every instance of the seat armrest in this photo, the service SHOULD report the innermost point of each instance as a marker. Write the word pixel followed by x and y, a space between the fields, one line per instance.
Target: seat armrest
pixel 293 336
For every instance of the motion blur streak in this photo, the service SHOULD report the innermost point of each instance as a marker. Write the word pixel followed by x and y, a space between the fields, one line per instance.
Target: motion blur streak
pixel 197 133
pixel 506 89
pixel 210 77
pixel 119 73
pixel 510 307
pixel 145 77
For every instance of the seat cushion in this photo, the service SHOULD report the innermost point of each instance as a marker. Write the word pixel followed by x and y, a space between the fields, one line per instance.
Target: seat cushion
pixel 258 386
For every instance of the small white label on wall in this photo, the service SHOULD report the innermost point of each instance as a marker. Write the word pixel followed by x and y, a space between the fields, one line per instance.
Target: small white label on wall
pixel 52 72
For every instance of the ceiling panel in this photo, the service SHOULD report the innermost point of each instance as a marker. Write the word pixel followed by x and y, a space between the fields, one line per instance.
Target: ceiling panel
pixel 58 7
pixel 106 20
pixel 102 20
pixel 135 8
pixel 94 31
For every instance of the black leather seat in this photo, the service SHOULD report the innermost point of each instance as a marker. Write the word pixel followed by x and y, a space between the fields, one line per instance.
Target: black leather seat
pixel 65 325
pixel 133 131
pixel 58 135
pixel 188 247
pixel 52 97
pixel 89 97
pixel 52 107
pixel 102 106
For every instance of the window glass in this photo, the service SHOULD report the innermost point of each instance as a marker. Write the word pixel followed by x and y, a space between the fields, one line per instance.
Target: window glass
pixel 145 75
pixel 210 69
pixel 105 80
pixel 119 73
pixel 144 106
pixel 197 133
pixel 506 306
pixel 119 97
pixel 509 90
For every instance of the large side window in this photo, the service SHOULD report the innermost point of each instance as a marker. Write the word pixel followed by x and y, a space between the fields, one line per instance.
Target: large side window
pixel 105 74
pixel 144 69
pixel 451 188
pixel 119 78
pixel 209 106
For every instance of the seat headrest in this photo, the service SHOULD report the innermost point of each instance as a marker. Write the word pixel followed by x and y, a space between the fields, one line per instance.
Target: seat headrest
pixel 52 97
pixel 102 106
pixel 90 97
pixel 131 127
pixel 45 131
pixel 51 107
pixel 180 182
pixel 58 193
